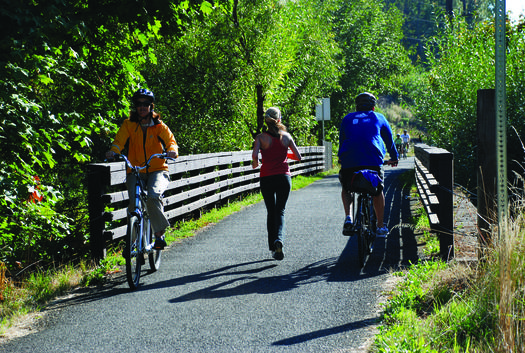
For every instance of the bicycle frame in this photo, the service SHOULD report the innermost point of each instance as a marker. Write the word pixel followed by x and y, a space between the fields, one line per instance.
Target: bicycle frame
pixel 141 198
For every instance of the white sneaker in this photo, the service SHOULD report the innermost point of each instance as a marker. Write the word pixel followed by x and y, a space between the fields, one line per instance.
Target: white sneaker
pixel 348 227
pixel 382 232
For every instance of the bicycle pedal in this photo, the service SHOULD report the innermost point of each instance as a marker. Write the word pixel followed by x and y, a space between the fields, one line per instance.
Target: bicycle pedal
pixel 349 233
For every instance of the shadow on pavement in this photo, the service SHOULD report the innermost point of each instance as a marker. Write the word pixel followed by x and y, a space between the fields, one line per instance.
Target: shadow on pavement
pixel 399 249
pixel 244 282
pixel 326 332
pixel 109 289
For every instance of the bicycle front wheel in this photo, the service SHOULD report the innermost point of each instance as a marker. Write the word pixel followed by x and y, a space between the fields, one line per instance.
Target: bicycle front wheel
pixel 133 254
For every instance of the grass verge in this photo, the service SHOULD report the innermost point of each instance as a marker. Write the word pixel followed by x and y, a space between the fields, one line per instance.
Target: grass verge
pixel 457 307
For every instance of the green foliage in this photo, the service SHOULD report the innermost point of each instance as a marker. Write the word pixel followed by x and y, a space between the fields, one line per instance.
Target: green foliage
pixel 243 59
pixel 65 72
pixel 424 18
pixel 110 264
pixel 462 62
pixel 370 36
pixel 413 292
pixel 451 307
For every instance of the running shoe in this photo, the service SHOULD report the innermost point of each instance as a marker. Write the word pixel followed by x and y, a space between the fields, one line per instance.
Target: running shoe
pixel 278 254
pixel 348 227
pixel 160 243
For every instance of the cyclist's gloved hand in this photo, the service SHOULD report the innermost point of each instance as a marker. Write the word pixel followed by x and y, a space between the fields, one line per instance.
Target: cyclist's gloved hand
pixel 110 155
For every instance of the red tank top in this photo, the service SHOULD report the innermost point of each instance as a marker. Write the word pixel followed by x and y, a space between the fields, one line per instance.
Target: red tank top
pixel 274 159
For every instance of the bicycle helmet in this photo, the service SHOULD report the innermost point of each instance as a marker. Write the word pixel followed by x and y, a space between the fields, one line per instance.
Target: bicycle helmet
pixel 143 93
pixel 365 101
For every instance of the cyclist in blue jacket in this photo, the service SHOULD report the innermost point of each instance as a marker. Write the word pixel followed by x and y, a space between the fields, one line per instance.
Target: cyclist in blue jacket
pixel 363 136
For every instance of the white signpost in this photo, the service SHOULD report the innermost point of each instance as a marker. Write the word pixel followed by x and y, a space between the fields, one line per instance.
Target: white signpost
pixel 322 111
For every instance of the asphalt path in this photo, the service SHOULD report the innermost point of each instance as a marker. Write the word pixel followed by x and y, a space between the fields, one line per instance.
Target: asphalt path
pixel 220 291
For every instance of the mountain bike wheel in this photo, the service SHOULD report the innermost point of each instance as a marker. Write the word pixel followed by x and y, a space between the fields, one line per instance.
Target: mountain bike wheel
pixel 133 255
pixel 372 226
pixel 154 256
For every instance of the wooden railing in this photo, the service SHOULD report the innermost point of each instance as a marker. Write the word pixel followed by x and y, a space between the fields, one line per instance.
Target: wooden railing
pixel 197 182
pixel 435 179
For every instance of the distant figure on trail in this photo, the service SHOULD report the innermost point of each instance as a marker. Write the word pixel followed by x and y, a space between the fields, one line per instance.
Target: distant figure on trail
pixel 399 143
pixel 146 134
pixel 400 146
pixel 363 136
pixel 275 176
pixel 406 139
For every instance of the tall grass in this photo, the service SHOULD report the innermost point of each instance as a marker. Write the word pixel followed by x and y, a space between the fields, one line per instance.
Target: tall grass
pixel 511 285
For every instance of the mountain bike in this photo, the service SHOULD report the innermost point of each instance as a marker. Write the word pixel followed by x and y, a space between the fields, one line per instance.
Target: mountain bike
pixel 139 234
pixel 362 192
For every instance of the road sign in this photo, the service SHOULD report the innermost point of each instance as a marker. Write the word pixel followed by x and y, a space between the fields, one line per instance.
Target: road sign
pixel 322 110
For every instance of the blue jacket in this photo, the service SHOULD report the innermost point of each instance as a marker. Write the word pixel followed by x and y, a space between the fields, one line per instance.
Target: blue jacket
pixel 363 136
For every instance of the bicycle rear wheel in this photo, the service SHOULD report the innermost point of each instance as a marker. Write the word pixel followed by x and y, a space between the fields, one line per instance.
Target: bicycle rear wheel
pixel 371 226
pixel 154 256
pixel 361 231
pixel 133 255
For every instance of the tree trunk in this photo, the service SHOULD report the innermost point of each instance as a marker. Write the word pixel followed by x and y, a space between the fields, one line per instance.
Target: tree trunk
pixel 260 108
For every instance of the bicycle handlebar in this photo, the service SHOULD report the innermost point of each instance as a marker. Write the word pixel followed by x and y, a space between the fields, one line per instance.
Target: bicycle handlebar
pixel 137 168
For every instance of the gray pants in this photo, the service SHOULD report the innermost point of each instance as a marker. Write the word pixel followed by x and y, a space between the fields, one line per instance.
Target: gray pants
pixel 156 184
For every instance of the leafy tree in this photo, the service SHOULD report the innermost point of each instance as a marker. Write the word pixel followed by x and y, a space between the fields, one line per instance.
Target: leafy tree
pixel 370 35
pixel 65 69
pixel 448 104
pixel 244 58
pixel 424 19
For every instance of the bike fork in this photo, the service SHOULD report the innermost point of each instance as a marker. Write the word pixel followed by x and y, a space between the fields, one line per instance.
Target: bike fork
pixel 140 249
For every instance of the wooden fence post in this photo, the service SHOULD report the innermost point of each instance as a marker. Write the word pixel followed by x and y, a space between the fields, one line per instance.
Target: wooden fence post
pixel 487 164
pixel 98 179
pixel 327 155
pixel 441 166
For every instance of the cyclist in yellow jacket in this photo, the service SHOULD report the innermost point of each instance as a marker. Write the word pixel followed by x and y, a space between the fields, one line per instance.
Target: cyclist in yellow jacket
pixel 142 135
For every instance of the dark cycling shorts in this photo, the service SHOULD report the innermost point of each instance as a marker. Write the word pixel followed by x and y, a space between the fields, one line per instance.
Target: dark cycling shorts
pixel 346 174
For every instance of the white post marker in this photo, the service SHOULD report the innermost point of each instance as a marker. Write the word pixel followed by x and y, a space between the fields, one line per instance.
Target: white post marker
pixel 322 111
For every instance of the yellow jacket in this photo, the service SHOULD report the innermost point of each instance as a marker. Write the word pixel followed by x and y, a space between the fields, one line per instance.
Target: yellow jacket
pixel 158 139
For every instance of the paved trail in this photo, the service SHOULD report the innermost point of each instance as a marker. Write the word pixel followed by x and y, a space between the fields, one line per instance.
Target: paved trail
pixel 220 291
